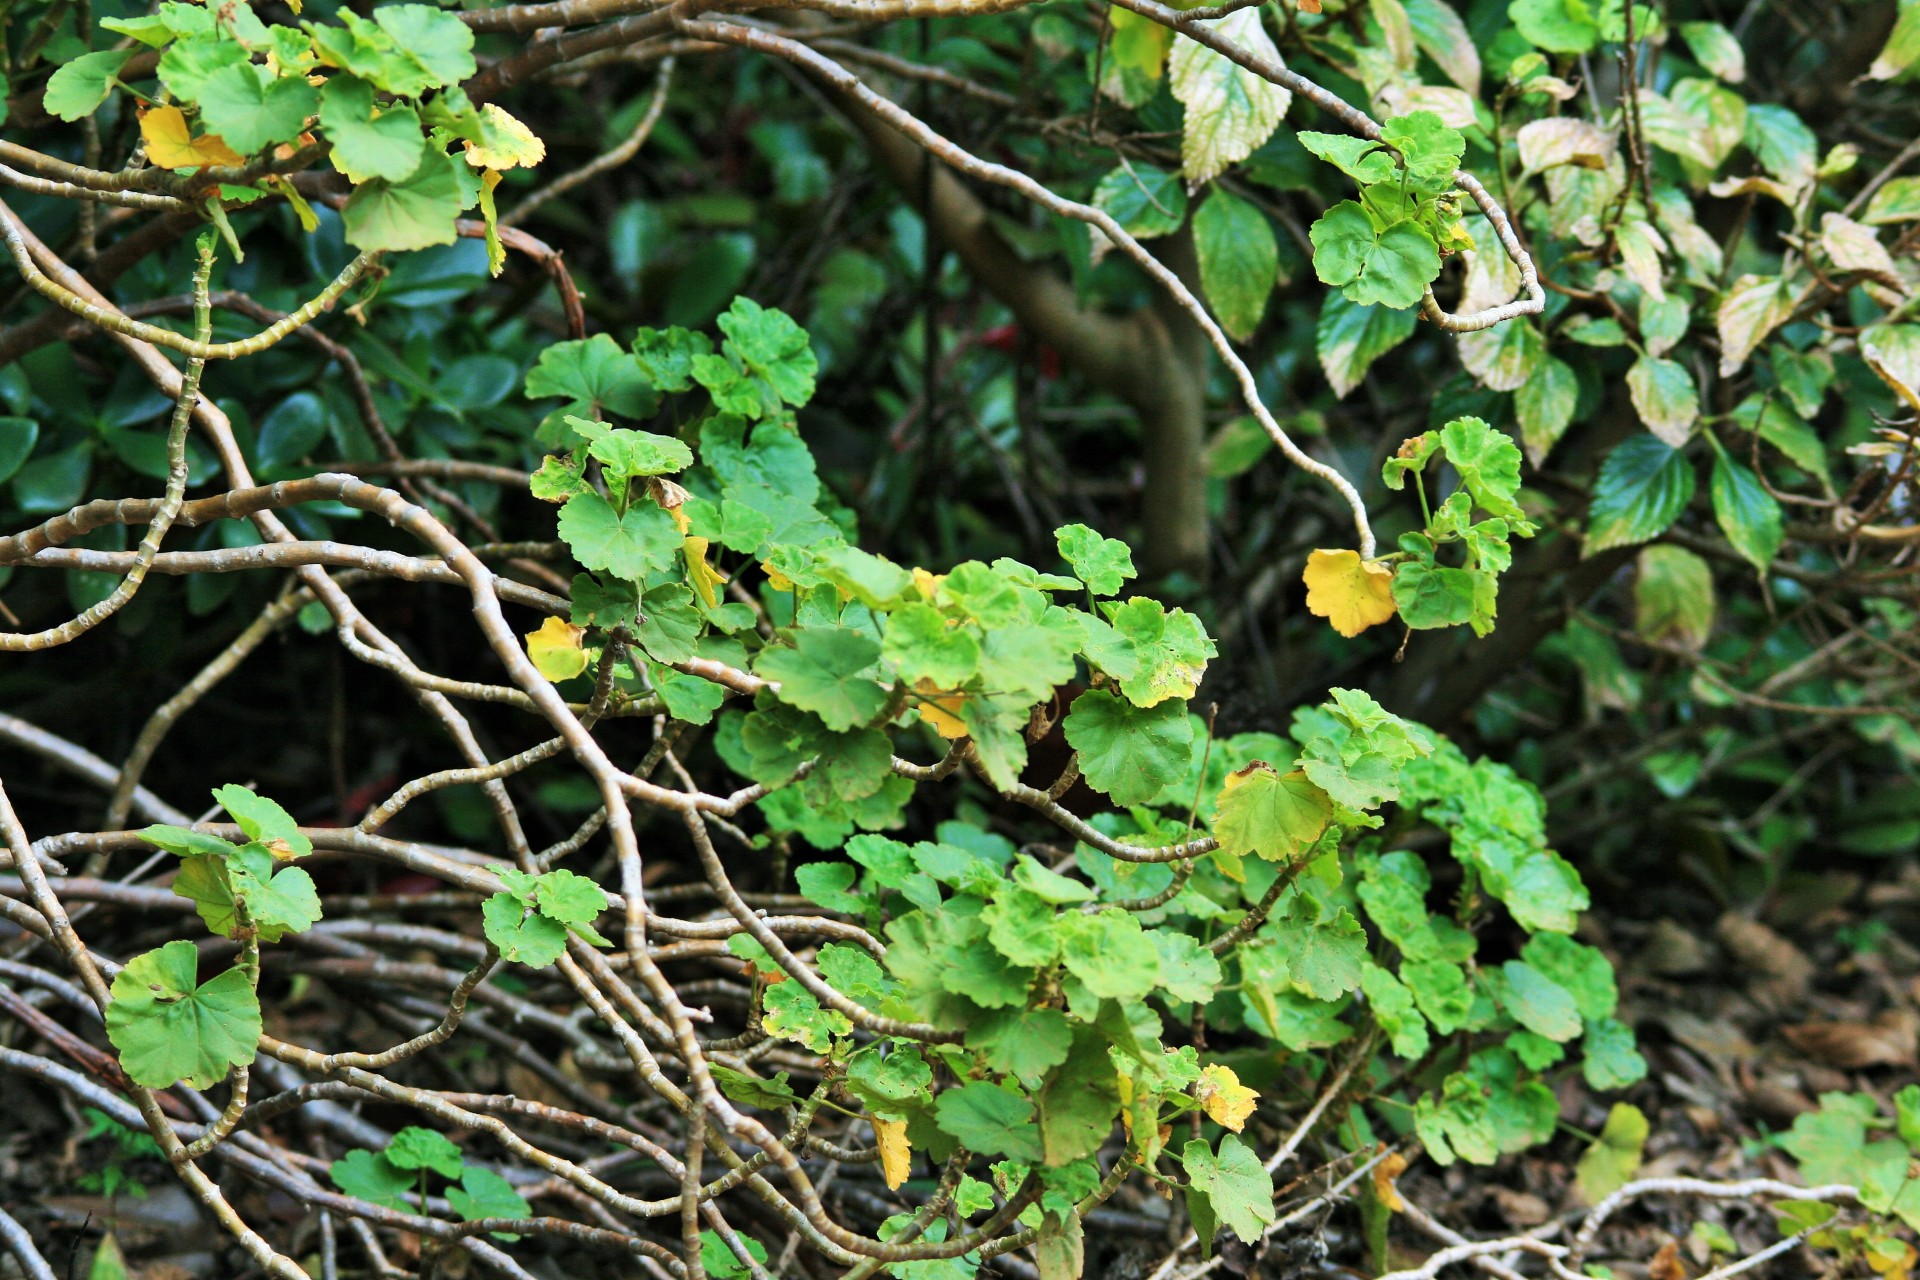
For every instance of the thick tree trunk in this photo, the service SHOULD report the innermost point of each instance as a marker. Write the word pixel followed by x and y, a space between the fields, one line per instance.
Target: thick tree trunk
pixel 1155 360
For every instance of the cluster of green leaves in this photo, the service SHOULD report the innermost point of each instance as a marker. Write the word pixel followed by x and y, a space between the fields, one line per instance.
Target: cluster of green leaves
pixel 168 1025
pixel 528 921
pixel 381 93
pixel 1850 1140
pixel 1487 463
pixel 1384 248
pixel 1064 976
pixel 386 1177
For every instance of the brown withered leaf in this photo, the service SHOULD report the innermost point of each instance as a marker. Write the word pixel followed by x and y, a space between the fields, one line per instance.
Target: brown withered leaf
pixel 1777 970
pixel 1666 1264
pixel 1890 1039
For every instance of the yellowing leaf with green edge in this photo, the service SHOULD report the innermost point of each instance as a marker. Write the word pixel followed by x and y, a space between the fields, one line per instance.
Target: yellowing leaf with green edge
pixel 896 1157
pixel 940 710
pixel 704 577
pixel 171 144
pixel 1276 816
pixel 1351 593
pixel 1224 1098
pixel 1614 1157
pixel 505 142
pixel 555 649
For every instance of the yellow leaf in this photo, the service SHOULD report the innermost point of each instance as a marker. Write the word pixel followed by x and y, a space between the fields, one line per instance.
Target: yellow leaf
pixel 927 584
pixel 941 710
pixel 703 575
pixel 1383 1186
pixel 505 142
pixel 1351 593
pixel 1224 1098
pixel 171 144
pixel 776 579
pixel 555 649
pixel 896 1157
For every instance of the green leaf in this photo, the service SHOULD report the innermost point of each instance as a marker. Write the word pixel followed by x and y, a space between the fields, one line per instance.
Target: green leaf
pixel 1673 597
pixel 1609 1059
pixel 1748 514
pixel 367 143
pixel 626 454
pixel 1489 465
pixel 1558 26
pixel 1048 886
pixel 1583 971
pixel 1431 596
pixel 1538 1003
pixel 1350 337
pixel 1643 487
pixel 1902 49
pixel 772 347
pixel 990 1120
pixel 1229 1189
pixel 1544 405
pixel 1079 1101
pixel 769 1095
pixel 263 820
pixel 1103 563
pixel 893 1085
pixel 828 671
pixel 252 108
pixel 77 88
pixel 921 646
pixel 719 1259
pixel 1273 815
pixel 569 898
pixel 1440 988
pixel 1157 653
pixel 1324 951
pixel 185 843
pixel 418 1148
pixel 431 48
pixel 1897 201
pixel 1394 1010
pixel 1428 149
pixel 1239 261
pixel 1025 1044
pixel 523 936
pixel 671 625
pixel 1229 110
pixel 1144 200
pixel 666 355
pixel 169 1027
pixel 1664 396
pixel 594 374
pixel 1715 48
pixel 794 1013
pixel 1390 266
pixel 414 213
pixel 1188 971
pixel 631 544
pixel 186 64
pixel 482 1193
pixel 277 903
pixel 1109 952
pixel 369 1176
pixel 1361 159
pixel 1020 926
pixel 1126 751
pixel 1614 1157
